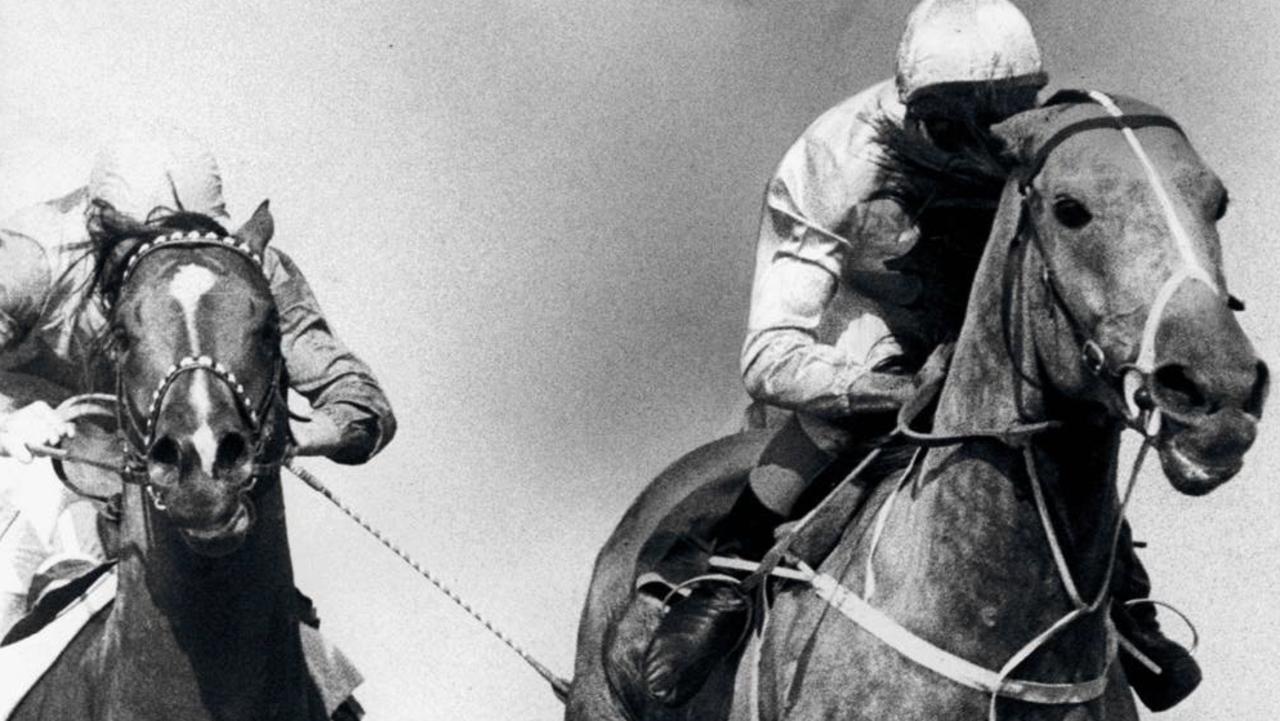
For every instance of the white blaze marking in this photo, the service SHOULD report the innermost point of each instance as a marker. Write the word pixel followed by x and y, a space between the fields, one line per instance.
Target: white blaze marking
pixel 188 285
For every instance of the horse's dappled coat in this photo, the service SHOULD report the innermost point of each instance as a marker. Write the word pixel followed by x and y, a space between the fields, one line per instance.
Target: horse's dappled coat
pixel 962 559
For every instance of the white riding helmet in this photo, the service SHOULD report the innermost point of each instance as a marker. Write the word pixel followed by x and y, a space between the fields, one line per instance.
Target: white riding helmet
pixel 966 41
pixel 141 171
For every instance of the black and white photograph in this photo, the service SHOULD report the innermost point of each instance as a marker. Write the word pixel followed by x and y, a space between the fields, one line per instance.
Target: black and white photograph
pixel 638 360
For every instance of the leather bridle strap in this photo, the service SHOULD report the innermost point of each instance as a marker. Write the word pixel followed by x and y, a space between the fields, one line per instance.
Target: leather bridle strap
pixel 192 239
pixel 1120 122
pixel 1189 267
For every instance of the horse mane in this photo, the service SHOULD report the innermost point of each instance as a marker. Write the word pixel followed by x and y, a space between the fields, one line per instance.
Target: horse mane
pixel 919 176
pixel 109 229
pixel 951 197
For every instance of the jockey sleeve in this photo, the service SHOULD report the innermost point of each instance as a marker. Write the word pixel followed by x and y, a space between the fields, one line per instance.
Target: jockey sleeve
pixel 814 334
pixel 332 378
pixel 24 285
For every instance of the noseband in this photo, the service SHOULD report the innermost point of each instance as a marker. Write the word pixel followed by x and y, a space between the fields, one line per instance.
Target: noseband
pixel 137 432
pixel 1131 380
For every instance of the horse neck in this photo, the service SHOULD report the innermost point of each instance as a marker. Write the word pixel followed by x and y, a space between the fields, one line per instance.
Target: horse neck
pixel 196 636
pixel 980 565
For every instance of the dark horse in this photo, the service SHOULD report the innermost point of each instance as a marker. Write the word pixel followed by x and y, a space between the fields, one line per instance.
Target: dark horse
pixel 1099 304
pixel 205 621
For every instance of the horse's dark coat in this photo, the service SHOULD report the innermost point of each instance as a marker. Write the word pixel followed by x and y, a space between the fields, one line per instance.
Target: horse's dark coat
pixel 191 636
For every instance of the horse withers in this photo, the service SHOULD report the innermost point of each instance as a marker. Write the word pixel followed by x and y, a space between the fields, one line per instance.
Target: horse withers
pixel 1099 304
pixel 204 623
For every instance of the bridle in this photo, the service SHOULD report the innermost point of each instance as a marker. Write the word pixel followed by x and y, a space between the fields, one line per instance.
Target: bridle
pixel 1130 380
pixel 137 430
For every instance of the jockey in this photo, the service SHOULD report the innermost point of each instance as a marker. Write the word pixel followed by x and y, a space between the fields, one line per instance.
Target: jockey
pixel 831 336
pixel 51 322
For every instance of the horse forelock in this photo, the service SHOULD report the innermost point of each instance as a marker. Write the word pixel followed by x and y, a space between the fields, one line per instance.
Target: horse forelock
pixel 114 236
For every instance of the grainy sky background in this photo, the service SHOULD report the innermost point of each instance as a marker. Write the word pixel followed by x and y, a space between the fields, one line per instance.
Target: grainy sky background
pixel 535 220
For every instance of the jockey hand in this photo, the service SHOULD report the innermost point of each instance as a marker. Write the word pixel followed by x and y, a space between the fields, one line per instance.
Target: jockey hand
pixel 885 234
pixel 318 436
pixel 36 424
pixel 878 392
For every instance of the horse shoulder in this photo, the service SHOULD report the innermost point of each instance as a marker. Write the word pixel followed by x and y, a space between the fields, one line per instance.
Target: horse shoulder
pixel 73 685
pixel 807 647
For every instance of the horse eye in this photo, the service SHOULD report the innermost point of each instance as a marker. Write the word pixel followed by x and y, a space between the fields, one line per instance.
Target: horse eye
pixel 1221 209
pixel 1071 212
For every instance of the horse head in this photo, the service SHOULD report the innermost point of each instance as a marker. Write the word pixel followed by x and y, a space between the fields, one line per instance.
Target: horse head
pixel 1114 246
pixel 194 337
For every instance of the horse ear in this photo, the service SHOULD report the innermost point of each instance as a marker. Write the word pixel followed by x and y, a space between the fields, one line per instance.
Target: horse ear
pixel 1017 136
pixel 257 231
pixel 1023 134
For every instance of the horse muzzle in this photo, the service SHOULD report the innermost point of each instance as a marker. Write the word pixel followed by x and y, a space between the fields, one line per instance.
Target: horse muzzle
pixel 1209 389
pixel 224 535
pixel 1201 454
pixel 214 514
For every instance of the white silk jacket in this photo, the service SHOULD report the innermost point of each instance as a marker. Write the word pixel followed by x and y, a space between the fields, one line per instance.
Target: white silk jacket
pixel 824 309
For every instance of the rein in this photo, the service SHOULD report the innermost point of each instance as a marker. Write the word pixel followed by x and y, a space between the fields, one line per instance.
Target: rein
pixel 559 686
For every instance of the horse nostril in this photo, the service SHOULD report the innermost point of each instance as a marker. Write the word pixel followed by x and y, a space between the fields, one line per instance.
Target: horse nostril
pixel 165 452
pixel 1261 386
pixel 231 449
pixel 1175 386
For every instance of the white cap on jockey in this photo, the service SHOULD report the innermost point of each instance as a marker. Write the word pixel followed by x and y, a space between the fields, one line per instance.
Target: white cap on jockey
pixel 139 172
pixel 966 41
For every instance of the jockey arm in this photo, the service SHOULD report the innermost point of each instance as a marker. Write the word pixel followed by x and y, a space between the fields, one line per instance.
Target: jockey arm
pixel 784 363
pixel 25 415
pixel 798 352
pixel 352 418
